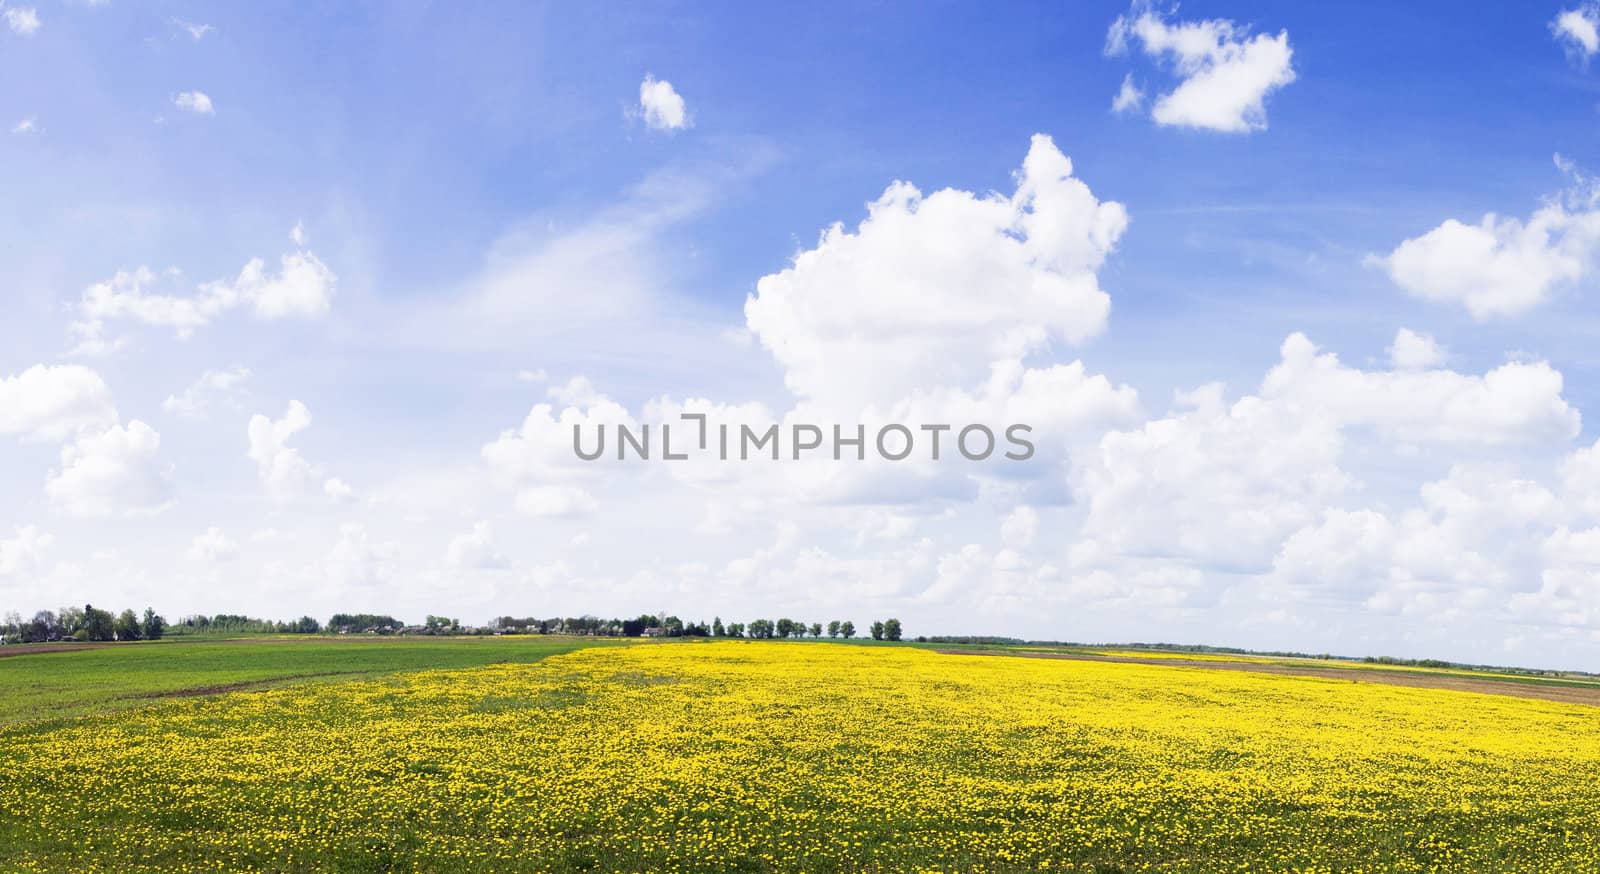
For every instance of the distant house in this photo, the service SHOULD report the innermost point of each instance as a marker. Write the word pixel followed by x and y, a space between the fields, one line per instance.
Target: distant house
pixel 653 631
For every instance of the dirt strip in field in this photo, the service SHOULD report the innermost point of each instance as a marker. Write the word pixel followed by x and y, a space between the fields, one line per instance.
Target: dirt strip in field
pixel 36 648
pixel 1531 688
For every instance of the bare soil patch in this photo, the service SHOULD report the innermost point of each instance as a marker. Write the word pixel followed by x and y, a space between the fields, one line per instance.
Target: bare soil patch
pixel 23 649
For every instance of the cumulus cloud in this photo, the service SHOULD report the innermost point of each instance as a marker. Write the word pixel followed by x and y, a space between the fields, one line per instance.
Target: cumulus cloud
pixel 1519 402
pixel 475 550
pixel 931 290
pixel 48 402
pixel 303 287
pixel 1413 351
pixel 556 501
pixel 23 20
pixel 1578 31
pixel 212 547
pixel 1223 485
pixel 29 125
pixel 196 102
pixel 23 553
pixel 212 386
pixel 114 472
pixel 1498 267
pixel 661 107
pixel 1020 527
pixel 282 470
pixel 358 560
pixel 1226 72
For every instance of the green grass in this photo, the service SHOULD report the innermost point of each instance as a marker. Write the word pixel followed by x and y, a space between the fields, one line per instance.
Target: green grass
pixel 43 685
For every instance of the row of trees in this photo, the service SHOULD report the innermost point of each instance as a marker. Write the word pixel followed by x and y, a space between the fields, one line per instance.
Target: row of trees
pixel 86 623
pixel 229 623
pixel 91 624
pixel 672 626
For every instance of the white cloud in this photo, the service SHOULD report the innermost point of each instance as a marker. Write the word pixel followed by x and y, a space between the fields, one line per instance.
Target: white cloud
pixel 1519 402
pixel 1578 31
pixel 475 550
pixel 212 547
pixel 1222 486
pixel 556 501
pixel 1020 527
pixel 48 402
pixel 211 387
pixel 124 296
pixel 24 552
pixel 1226 72
pixel 282 470
pixel 538 457
pixel 931 291
pixel 661 106
pixel 194 101
pixel 23 20
pixel 1414 351
pixel 1497 267
pixel 303 287
pixel 1344 550
pixel 114 472
pixel 1219 485
pixel 1579 477
pixel 29 125
pixel 357 561
pixel 195 31
pixel 1129 98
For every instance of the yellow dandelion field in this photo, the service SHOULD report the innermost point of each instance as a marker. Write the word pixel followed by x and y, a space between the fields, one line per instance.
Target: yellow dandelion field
pixel 775 757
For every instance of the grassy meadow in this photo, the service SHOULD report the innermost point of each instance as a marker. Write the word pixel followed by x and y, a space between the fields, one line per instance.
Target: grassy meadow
pixel 543 754
pixel 53 683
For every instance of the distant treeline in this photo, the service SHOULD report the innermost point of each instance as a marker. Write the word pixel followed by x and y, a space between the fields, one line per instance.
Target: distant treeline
pixel 651 625
pixel 86 623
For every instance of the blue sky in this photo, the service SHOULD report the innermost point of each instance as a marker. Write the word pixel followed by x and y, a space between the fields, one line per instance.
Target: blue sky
pixel 496 216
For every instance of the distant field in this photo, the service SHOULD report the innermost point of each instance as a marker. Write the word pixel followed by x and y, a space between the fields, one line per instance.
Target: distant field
pixel 773 756
pixel 47 681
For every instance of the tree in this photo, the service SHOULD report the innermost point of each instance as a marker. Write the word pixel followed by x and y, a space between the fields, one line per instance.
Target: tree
pixel 126 626
pixel 153 626
pixel 891 629
pixel 877 631
pixel 847 629
pixel 68 624
pixel 42 627
pixel 98 624
pixel 716 627
pixel 761 629
pixel 736 629
pixel 833 628
pixel 785 627
pixel 816 629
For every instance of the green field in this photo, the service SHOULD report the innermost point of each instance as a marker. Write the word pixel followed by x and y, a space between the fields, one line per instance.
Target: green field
pixel 43 683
